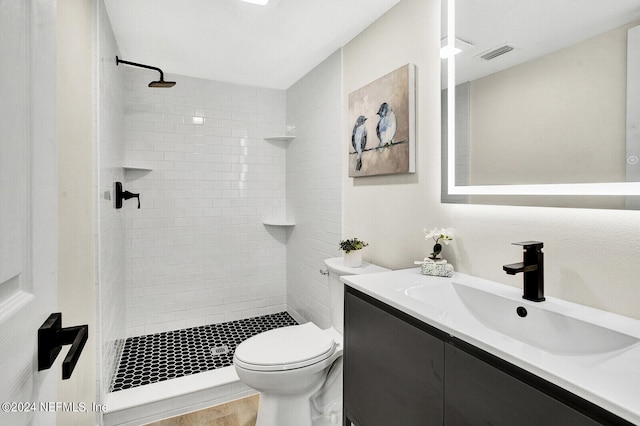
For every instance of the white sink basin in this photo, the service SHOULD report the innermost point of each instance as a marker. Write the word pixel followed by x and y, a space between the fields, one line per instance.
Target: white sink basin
pixel 554 332
pixel 542 328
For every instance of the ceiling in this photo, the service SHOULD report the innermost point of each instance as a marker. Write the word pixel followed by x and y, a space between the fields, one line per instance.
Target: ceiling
pixel 534 28
pixel 233 41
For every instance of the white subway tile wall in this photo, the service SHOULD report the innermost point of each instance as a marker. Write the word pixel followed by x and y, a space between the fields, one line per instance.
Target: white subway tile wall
pixel 110 233
pixel 314 187
pixel 197 251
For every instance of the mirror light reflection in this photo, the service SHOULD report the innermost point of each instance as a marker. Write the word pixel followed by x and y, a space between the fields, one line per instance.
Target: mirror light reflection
pixel 532 93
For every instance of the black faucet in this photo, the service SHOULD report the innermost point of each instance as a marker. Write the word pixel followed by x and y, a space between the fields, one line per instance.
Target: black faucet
pixel 533 269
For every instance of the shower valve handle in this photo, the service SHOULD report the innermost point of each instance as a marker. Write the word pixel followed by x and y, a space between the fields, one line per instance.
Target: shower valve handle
pixel 126 195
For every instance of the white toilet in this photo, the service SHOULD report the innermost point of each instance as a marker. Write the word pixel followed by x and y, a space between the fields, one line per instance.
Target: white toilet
pixel 298 369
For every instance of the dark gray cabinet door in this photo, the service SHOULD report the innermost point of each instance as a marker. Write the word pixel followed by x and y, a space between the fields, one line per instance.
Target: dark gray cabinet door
pixel 477 393
pixel 393 371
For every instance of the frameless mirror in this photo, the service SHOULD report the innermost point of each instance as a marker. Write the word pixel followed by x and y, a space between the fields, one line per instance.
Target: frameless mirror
pixel 541 102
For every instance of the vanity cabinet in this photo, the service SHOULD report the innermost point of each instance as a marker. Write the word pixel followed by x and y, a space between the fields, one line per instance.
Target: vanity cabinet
pixel 401 371
pixel 479 393
pixel 393 370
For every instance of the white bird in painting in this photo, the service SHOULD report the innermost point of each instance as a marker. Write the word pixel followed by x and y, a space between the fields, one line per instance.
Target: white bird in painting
pixel 359 139
pixel 386 128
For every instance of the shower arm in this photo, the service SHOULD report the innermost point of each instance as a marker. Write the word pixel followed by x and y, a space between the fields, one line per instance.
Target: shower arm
pixel 135 64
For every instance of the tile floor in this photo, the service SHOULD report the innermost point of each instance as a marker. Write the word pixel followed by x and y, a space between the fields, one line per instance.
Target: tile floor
pixel 156 357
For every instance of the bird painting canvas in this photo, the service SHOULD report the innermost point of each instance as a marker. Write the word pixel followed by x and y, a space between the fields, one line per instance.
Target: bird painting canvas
pixel 382 117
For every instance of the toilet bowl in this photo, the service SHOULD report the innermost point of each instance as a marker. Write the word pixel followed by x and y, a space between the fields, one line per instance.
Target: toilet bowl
pixel 298 369
pixel 287 365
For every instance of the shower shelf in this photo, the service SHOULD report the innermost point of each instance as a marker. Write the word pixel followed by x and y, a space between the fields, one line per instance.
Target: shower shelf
pixel 278 222
pixel 280 138
pixel 135 169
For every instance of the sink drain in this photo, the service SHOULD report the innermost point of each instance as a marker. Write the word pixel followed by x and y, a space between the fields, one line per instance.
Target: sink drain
pixel 521 311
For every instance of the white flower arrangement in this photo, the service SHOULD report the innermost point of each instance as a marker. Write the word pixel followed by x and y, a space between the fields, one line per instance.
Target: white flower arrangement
pixel 438 234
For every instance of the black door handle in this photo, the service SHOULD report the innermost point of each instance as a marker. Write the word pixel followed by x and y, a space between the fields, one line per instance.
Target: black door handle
pixel 51 338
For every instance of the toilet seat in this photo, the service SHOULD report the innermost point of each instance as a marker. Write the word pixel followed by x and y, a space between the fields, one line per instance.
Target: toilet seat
pixel 285 348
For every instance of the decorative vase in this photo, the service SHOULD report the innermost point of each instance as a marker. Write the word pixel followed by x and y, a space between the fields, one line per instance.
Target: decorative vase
pixel 353 259
pixel 436 251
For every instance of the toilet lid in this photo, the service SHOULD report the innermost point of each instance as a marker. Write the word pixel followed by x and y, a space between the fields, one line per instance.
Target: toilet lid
pixel 285 348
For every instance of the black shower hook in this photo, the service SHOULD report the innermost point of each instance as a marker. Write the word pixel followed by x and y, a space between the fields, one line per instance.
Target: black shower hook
pixel 159 83
pixel 124 195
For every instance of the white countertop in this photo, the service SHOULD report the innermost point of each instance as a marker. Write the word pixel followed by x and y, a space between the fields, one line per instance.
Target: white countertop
pixel 610 380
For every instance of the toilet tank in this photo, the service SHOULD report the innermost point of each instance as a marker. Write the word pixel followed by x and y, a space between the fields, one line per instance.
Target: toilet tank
pixel 337 269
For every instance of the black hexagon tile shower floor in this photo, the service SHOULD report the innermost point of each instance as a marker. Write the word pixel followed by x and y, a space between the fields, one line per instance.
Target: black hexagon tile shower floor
pixel 156 357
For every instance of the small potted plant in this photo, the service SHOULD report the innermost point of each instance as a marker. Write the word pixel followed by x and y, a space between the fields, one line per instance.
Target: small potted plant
pixel 352 252
pixel 434 265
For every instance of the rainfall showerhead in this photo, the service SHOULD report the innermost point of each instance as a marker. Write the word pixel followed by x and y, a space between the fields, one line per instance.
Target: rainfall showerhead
pixel 162 83
pixel 159 83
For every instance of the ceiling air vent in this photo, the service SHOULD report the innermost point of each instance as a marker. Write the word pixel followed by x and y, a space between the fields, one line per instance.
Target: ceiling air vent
pixel 494 53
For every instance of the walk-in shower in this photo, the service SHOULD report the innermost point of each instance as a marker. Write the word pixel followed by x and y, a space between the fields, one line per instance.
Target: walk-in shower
pixel 193 272
pixel 200 266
